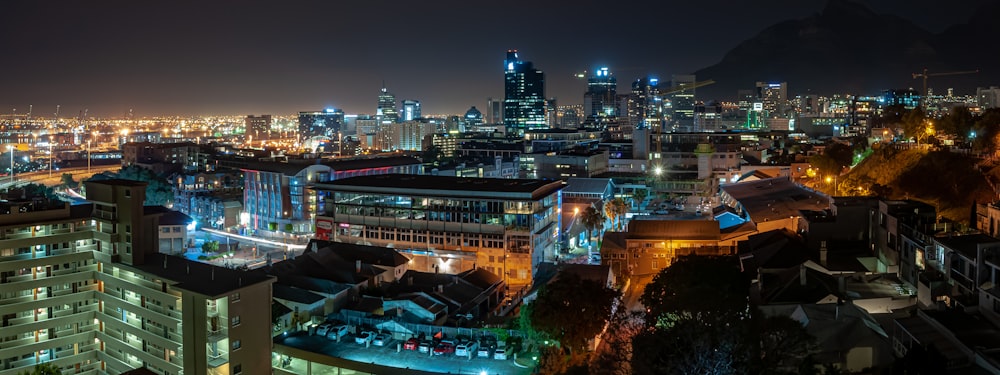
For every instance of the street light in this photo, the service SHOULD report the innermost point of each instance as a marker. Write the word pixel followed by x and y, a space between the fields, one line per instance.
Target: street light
pixel 11 149
pixel 834 180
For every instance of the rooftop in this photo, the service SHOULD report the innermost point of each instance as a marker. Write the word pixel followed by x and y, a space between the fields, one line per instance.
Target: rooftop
pixel 967 244
pixel 421 184
pixel 692 230
pixel 197 277
pixel 775 198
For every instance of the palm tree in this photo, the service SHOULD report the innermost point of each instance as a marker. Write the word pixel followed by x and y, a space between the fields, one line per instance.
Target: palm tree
pixel 638 196
pixel 593 220
pixel 615 209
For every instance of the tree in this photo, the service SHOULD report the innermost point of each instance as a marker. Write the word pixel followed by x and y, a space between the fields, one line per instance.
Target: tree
pixel 638 196
pixel 615 209
pixel 565 314
pixel 698 319
pixel 210 247
pixel 44 369
pixel 593 220
pixel 67 180
pixel 784 344
pixel 914 123
pixel 615 354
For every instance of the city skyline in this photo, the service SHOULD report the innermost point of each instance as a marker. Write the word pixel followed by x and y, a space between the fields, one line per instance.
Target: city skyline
pixel 202 59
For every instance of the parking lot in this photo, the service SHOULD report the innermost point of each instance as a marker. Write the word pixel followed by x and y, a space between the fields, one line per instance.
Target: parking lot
pixel 407 359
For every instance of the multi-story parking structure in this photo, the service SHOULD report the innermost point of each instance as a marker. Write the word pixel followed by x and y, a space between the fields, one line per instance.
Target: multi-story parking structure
pixel 446 224
pixel 84 288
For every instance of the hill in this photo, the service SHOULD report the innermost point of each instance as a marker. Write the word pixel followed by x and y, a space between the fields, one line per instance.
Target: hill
pixel 951 182
pixel 847 48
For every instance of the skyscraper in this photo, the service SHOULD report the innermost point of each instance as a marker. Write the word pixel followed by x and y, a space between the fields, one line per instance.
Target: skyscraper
pixel 683 101
pixel 524 95
pixel 645 105
pixel 494 111
pixel 324 123
pixel 411 110
pixel 773 96
pixel 600 100
pixel 386 111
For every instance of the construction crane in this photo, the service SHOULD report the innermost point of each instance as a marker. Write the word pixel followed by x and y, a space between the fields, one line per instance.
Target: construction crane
pixel 925 75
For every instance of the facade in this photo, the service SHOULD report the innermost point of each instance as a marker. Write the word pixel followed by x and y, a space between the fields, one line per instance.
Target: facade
pixel 645 104
pixel 386 110
pixel 257 126
pixel 275 195
pixel 326 123
pixel 494 111
pixel 85 288
pixel 524 95
pixel 446 224
pixel 773 97
pixel 567 164
pixel 411 110
pixel 185 156
pixel 682 101
pixel 649 246
pixel 473 118
pixel 988 98
pixel 600 102
pixel 212 199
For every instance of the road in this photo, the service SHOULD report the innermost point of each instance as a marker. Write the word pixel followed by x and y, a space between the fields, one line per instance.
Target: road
pixel 42 177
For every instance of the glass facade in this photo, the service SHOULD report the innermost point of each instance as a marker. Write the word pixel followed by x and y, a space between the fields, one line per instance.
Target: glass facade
pixel 524 95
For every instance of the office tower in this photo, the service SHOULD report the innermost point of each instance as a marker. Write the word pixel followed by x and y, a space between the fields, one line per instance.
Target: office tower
pixel 683 101
pixel 773 97
pixel 473 118
pixel 988 97
pixel 645 105
pixel 570 116
pixel 524 95
pixel 324 123
pixel 599 102
pixel 257 126
pixel 411 110
pixel 551 113
pixel 386 111
pixel 494 111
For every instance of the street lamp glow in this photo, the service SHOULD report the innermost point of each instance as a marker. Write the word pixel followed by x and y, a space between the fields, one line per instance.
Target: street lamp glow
pixel 657 170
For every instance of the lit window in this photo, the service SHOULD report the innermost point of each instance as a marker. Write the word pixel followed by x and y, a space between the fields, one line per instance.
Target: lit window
pixel 236 344
pixel 236 321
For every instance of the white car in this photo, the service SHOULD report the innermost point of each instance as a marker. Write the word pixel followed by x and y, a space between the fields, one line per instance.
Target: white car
pixel 364 338
pixel 382 339
pixel 500 353
pixel 466 349
pixel 337 331
pixel 322 329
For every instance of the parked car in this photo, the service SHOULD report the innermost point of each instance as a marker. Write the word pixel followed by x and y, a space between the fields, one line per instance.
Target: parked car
pixel 323 329
pixel 337 331
pixel 382 339
pixel 365 337
pixel 444 347
pixel 500 353
pixel 425 346
pixel 466 349
pixel 411 344
pixel 486 346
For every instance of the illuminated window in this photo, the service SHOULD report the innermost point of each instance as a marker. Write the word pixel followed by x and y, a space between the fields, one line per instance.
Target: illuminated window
pixel 236 320
pixel 237 344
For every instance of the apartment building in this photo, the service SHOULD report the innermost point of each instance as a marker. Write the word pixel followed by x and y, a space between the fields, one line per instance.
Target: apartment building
pixel 85 288
pixel 446 224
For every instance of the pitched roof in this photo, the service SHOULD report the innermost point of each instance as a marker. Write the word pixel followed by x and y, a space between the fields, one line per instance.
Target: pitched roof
pixel 693 230
pixel 775 198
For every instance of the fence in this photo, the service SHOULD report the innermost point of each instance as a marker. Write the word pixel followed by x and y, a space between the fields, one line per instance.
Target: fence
pixel 402 330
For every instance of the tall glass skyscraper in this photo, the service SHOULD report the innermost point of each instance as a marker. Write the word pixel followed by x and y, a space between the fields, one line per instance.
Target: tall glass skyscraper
pixel 524 95
pixel 411 110
pixel 386 111
pixel 645 104
pixel 600 101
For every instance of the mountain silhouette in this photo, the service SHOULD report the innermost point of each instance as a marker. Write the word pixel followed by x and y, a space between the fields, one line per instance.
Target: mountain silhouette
pixel 848 49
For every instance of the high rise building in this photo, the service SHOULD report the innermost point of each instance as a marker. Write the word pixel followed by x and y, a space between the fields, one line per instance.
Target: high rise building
pixel 645 104
pixel 524 95
pixel 324 123
pixel 386 110
pixel 494 111
pixel 600 100
pixel 473 118
pixel 773 97
pixel 683 101
pixel 257 126
pixel 988 97
pixel 87 289
pixel 411 110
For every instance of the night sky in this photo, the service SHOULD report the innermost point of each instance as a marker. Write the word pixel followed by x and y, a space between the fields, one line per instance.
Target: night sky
pixel 279 57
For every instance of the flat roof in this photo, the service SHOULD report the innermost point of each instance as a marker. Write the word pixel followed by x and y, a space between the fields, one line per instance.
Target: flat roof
pixel 966 244
pixel 445 185
pixel 201 278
